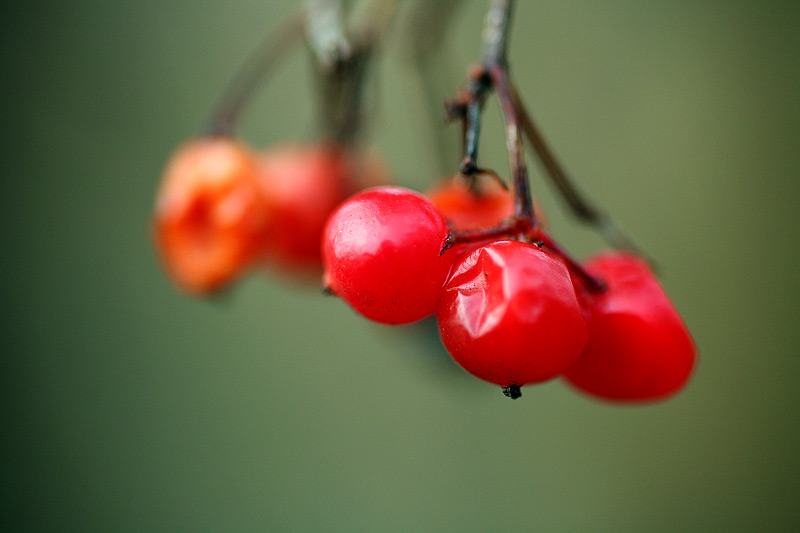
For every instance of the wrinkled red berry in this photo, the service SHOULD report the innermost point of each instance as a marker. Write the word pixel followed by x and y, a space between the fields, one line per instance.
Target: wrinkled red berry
pixel 509 314
pixel 639 348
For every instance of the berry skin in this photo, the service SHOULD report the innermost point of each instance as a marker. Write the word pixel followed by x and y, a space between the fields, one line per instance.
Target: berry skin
pixel 468 210
pixel 302 185
pixel 381 254
pixel 639 348
pixel 210 215
pixel 509 314
pixel 486 206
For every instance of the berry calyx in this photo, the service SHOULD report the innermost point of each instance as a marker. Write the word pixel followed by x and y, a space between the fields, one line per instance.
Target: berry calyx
pixel 639 348
pixel 381 253
pixel 509 315
pixel 210 215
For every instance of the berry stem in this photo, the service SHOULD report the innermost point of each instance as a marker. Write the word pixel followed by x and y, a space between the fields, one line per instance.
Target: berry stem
pixel 520 228
pixel 472 132
pixel 269 53
pixel 523 200
pixel 512 227
pixel 493 73
pixel 495 65
pixel 583 209
pixel 471 111
pixel 495 32
pixel 593 283
pixel 325 33
pixel 337 67
pixel 343 61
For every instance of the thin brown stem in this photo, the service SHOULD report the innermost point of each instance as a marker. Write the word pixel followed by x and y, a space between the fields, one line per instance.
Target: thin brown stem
pixel 352 104
pixel 269 53
pixel 583 209
pixel 510 227
pixel 343 60
pixel 494 74
pixel 519 227
pixel 472 113
pixel 326 35
pixel 593 283
pixel 472 123
pixel 495 39
pixel 523 199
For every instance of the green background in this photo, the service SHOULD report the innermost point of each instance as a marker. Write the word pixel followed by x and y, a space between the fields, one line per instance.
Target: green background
pixel 130 406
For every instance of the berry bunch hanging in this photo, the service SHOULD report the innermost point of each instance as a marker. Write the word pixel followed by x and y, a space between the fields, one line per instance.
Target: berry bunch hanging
pixel 513 307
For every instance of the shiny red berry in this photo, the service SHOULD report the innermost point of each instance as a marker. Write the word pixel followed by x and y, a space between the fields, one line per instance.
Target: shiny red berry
pixel 639 348
pixel 509 314
pixel 210 215
pixel 381 252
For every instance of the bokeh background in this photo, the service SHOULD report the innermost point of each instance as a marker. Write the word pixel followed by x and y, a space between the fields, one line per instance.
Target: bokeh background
pixel 130 406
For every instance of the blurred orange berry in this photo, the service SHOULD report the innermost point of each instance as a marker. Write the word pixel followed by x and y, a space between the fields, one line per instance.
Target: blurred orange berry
pixel 210 216
pixel 485 205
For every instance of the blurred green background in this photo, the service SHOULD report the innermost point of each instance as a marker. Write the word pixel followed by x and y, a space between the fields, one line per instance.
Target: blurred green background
pixel 130 406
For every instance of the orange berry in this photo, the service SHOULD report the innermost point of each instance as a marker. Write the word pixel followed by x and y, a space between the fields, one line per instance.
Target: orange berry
pixel 487 206
pixel 210 215
pixel 468 210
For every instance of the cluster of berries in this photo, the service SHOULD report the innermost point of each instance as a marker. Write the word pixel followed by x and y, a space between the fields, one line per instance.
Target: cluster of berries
pixel 512 307
pixel 223 209
pixel 509 311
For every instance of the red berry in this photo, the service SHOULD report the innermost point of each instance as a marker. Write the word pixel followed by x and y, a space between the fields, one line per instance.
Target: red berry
pixel 509 314
pixel 381 254
pixel 639 348
pixel 302 185
pixel 210 215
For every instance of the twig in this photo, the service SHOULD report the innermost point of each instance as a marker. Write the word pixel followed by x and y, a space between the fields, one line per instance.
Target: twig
pixel 269 53
pixel 493 74
pixel 578 204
